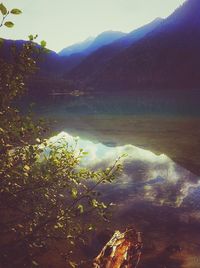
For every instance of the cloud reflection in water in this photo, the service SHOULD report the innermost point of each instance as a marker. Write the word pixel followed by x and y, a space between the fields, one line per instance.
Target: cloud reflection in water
pixel 146 176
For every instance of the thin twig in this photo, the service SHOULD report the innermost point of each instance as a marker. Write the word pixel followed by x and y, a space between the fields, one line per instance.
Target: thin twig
pixel 3 19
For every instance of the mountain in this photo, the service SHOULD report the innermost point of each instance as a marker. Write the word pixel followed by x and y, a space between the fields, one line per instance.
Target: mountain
pixel 48 77
pixel 97 60
pixel 69 57
pixel 50 62
pixel 76 48
pixel 167 57
pixel 91 44
pixel 137 34
pixel 104 39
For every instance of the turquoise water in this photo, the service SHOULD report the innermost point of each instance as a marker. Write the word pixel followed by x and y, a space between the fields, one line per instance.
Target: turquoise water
pixel 165 102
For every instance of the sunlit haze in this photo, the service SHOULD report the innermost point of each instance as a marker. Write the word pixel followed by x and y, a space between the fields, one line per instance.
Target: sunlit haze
pixel 64 22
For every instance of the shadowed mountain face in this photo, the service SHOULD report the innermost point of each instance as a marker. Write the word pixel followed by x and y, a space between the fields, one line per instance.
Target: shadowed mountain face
pixel 97 60
pixel 47 78
pixel 162 54
pixel 69 57
pixel 137 34
pixel 107 44
pixel 167 57
pixel 50 62
pixel 92 44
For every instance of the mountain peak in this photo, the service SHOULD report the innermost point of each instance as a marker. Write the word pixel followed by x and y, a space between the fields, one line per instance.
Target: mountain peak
pixel 157 19
pixel 91 44
pixel 188 12
pixel 76 48
pixel 191 4
pixel 106 38
pixel 111 33
pixel 165 55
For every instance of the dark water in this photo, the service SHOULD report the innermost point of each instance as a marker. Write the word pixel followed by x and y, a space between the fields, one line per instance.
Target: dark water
pixel 165 102
pixel 155 194
pixel 166 121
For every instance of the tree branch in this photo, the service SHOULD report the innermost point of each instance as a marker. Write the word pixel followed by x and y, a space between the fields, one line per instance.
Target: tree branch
pixel 3 19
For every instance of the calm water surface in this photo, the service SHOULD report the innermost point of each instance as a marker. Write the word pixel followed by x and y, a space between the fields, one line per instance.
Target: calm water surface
pixel 154 194
pixel 157 195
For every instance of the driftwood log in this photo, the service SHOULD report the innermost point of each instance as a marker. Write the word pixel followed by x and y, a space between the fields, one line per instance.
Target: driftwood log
pixel 122 251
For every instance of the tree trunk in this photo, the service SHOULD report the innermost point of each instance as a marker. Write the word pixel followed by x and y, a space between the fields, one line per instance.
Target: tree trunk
pixel 122 251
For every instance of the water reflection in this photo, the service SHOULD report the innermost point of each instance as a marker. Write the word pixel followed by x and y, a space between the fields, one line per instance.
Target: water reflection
pixel 156 195
pixel 146 176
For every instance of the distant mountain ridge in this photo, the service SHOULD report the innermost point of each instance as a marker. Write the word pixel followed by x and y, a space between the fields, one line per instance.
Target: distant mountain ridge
pixel 91 44
pixel 99 58
pixel 69 57
pixel 72 56
pixel 76 48
pixel 51 62
pixel 162 54
pixel 166 57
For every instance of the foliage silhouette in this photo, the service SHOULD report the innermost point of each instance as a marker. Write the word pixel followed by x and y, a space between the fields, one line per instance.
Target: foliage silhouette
pixel 45 194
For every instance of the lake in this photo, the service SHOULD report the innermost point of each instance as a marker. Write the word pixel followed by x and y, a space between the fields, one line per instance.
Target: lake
pixel 159 191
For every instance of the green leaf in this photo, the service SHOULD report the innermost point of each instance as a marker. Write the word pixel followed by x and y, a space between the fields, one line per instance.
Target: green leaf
pixel 16 11
pixel 43 43
pixel 94 203
pixel 30 37
pixel 38 140
pixel 74 193
pixel 9 24
pixel 3 9
pixel 26 167
pixel 103 205
pixel 81 209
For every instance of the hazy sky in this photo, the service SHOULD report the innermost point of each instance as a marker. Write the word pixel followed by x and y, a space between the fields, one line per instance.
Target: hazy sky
pixel 64 22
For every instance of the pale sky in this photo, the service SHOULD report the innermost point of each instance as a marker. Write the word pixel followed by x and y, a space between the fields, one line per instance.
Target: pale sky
pixel 64 22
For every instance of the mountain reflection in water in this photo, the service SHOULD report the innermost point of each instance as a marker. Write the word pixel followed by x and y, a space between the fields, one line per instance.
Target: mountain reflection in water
pixel 156 195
